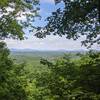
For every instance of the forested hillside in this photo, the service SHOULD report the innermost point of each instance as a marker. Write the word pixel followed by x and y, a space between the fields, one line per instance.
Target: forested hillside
pixel 60 79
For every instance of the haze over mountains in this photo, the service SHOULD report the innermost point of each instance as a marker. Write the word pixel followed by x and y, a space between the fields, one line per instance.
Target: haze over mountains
pixel 60 50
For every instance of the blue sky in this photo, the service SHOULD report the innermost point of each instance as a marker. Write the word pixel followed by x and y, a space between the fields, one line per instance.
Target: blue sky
pixel 49 43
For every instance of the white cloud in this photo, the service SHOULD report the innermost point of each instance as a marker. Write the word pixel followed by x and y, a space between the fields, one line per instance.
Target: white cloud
pixel 49 43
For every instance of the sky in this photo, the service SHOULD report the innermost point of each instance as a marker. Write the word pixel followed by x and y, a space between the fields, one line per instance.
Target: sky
pixel 50 42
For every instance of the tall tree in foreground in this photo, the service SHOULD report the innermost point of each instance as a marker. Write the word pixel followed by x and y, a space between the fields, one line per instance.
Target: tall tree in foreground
pixel 10 88
pixel 14 81
pixel 78 18
pixel 16 15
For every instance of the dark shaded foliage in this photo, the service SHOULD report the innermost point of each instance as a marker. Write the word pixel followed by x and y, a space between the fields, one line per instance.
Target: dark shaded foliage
pixel 78 18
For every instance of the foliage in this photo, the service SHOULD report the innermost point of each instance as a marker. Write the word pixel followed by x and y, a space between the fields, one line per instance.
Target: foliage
pixel 78 18
pixel 69 79
pixel 15 81
pixel 10 11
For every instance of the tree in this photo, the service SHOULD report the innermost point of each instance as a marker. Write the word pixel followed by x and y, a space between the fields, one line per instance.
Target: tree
pixel 10 10
pixel 15 81
pixel 71 79
pixel 6 73
pixel 78 18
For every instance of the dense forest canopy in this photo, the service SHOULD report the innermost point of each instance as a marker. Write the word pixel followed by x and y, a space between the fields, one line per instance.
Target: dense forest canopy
pixel 68 79
pixel 65 78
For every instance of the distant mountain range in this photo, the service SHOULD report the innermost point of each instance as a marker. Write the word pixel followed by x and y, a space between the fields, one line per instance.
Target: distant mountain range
pixel 32 50
pixel 22 50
